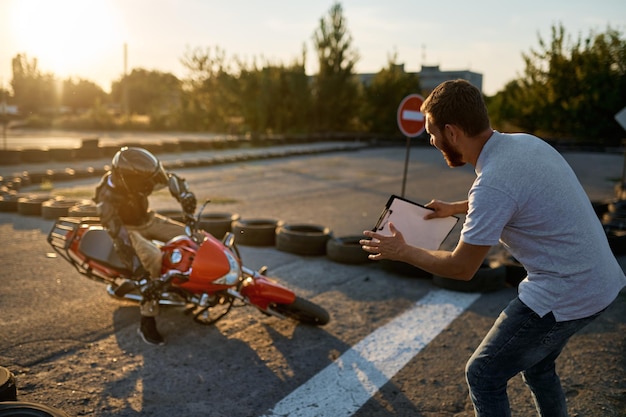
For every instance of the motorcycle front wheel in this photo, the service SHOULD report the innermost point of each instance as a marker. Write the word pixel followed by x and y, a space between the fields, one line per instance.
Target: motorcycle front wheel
pixel 303 311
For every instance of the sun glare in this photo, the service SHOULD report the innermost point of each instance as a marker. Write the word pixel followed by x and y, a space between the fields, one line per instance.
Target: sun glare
pixel 66 36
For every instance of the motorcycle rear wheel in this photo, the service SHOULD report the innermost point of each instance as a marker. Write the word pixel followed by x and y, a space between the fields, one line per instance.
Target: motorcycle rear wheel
pixel 303 311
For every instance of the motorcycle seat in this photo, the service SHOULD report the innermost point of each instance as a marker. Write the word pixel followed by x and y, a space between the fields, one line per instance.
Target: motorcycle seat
pixel 97 245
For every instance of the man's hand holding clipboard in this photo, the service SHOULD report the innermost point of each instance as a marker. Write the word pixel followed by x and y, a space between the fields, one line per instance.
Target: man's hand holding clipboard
pixel 409 218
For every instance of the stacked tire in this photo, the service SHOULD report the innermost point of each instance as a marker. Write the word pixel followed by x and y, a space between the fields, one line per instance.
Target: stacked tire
pixel 11 407
pixel 256 232
pixel 302 239
pixel 613 219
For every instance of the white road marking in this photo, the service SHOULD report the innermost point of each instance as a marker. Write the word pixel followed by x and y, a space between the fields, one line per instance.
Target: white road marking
pixel 345 385
pixel 417 116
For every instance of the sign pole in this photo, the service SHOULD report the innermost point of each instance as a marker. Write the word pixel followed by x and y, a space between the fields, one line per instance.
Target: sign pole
pixel 620 118
pixel 406 164
pixel 411 123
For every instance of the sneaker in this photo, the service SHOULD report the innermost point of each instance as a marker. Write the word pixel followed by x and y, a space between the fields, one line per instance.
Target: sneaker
pixel 149 333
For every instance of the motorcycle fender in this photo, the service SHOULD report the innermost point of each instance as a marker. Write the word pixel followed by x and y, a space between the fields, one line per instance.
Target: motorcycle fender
pixel 262 291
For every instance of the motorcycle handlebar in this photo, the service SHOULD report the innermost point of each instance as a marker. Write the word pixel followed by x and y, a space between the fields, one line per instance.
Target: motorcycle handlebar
pixel 192 220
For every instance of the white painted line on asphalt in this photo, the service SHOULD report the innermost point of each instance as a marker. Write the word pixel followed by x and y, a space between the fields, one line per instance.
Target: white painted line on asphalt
pixel 345 385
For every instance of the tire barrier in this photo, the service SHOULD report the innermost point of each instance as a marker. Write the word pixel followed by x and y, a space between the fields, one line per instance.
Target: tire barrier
pixel 302 239
pixel 10 157
pixel 404 269
pixel 346 250
pixel 15 157
pixel 486 279
pixel 83 208
pixel 57 207
pixel 35 155
pixel 256 232
pixel 218 224
pixel 28 409
pixel 8 389
pixel 613 217
pixel 31 205
pixel 8 201
pixel 11 407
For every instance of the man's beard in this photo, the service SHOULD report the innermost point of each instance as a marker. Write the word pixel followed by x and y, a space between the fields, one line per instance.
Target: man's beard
pixel 451 155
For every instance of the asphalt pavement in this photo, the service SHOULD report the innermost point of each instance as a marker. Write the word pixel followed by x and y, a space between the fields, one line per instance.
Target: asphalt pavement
pixel 73 347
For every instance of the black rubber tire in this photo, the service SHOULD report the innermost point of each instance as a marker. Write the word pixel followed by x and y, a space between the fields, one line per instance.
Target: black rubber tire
pixel 255 232
pixel 84 208
pixel 617 241
pixel 404 269
pixel 304 311
pixel 601 206
pixel 614 220
pixel 486 279
pixel 302 239
pixel 8 203
pixel 35 155
pixel 31 205
pixel 346 250
pixel 218 224
pixel 10 156
pixel 614 206
pixel 515 271
pixel 27 409
pixel 54 208
pixel 8 389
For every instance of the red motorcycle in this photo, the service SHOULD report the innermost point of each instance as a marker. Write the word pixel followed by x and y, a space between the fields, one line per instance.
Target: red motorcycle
pixel 199 272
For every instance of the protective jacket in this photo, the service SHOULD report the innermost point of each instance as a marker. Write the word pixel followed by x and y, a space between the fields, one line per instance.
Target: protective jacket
pixel 118 207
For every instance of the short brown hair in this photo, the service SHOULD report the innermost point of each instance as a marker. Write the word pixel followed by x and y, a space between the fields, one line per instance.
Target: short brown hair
pixel 459 103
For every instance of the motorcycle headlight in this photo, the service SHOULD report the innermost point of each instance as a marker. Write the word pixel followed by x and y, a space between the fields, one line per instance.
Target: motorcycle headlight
pixel 176 256
pixel 232 276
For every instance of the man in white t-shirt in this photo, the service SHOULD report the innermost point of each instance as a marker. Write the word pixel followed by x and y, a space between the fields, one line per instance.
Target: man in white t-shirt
pixel 526 197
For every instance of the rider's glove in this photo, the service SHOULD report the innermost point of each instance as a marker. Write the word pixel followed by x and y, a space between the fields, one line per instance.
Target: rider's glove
pixel 188 202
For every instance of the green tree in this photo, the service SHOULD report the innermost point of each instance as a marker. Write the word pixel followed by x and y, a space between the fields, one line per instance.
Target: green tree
pixel 80 95
pixel 569 89
pixel 336 89
pixel 33 91
pixel 151 93
pixel 275 98
pixel 383 95
pixel 210 100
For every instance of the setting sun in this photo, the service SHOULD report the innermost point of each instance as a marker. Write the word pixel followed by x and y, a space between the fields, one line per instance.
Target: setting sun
pixel 65 36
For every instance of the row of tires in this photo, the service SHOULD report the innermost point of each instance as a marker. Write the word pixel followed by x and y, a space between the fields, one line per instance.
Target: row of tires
pixel 20 180
pixel 92 149
pixel 315 240
pixel 300 239
pixel 500 271
pixel 612 215
pixel 43 205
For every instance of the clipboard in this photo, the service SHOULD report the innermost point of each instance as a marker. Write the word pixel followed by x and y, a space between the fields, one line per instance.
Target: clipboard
pixel 408 217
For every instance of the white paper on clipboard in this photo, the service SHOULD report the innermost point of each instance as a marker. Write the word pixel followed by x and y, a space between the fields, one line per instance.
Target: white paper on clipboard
pixel 408 218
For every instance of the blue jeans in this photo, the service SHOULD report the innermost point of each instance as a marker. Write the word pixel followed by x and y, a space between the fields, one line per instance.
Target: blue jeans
pixel 520 341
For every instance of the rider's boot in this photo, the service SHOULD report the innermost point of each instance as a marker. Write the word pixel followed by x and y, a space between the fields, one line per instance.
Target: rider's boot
pixel 147 328
pixel 149 333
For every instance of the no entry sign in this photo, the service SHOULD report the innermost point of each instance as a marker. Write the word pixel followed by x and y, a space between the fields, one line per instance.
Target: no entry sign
pixel 410 119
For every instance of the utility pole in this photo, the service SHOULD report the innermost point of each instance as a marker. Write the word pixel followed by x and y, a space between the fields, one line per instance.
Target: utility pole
pixel 125 85
pixel 4 116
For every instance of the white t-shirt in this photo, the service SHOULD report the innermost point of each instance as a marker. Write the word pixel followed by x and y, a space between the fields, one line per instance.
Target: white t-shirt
pixel 527 197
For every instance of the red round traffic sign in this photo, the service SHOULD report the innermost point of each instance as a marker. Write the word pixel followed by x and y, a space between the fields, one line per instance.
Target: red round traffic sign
pixel 411 121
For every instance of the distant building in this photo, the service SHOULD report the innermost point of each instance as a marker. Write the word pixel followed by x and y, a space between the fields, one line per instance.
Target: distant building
pixel 431 76
pixel 8 109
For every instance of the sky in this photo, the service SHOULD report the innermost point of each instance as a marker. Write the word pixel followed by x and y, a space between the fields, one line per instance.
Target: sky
pixel 87 38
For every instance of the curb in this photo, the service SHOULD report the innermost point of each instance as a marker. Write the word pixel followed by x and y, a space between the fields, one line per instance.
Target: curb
pixel 16 182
